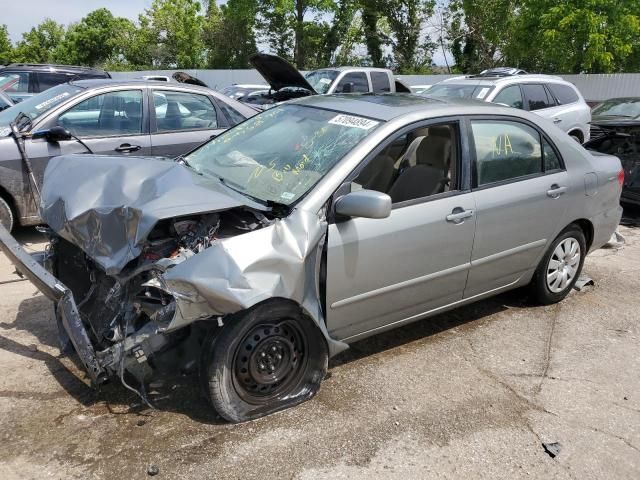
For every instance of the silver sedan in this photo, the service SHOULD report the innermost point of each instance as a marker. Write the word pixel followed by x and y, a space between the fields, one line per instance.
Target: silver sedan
pixel 307 227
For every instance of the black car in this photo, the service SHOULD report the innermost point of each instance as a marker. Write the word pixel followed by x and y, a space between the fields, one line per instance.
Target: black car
pixel 615 130
pixel 109 117
pixel 22 80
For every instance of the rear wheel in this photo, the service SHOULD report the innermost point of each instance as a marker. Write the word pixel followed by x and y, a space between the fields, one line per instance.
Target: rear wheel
pixel 576 136
pixel 6 215
pixel 560 267
pixel 264 360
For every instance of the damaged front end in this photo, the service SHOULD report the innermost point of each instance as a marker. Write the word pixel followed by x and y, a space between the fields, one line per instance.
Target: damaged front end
pixel 134 274
pixel 128 317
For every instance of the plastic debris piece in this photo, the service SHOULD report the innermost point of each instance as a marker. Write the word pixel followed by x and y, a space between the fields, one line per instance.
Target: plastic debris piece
pixel 616 241
pixel 552 449
pixel 583 281
pixel 153 470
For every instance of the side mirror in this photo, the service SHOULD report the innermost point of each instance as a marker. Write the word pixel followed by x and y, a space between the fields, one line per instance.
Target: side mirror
pixel 53 134
pixel 347 87
pixel 365 204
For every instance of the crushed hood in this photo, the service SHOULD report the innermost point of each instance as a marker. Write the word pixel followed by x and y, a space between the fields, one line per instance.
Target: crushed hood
pixel 278 72
pixel 108 205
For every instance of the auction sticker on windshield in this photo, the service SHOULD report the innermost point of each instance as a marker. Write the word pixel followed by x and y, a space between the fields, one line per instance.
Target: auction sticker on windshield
pixel 48 102
pixel 353 121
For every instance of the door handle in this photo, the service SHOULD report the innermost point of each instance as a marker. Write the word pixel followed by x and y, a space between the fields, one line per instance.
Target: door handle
pixel 557 120
pixel 555 191
pixel 127 148
pixel 458 215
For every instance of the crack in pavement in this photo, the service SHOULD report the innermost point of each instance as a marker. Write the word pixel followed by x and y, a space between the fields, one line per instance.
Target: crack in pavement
pixel 547 358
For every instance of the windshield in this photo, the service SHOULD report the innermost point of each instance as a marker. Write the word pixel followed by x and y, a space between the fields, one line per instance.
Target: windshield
pixel 624 107
pixel 321 80
pixel 459 91
pixel 39 104
pixel 280 154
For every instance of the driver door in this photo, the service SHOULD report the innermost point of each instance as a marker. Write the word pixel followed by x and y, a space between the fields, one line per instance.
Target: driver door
pixel 384 272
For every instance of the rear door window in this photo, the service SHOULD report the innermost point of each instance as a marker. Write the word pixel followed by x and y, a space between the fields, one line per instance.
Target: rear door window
pixel 536 97
pixel 511 96
pixel 183 111
pixel 46 80
pixel 505 151
pixel 380 81
pixel 563 93
pixel 359 81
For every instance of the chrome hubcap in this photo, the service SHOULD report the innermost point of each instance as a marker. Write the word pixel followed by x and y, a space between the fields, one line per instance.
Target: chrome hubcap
pixel 563 265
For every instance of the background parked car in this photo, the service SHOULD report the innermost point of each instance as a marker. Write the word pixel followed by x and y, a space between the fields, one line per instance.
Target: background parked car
pixel 546 95
pixel 240 92
pixel 287 82
pixel 23 80
pixel 615 130
pixel 111 117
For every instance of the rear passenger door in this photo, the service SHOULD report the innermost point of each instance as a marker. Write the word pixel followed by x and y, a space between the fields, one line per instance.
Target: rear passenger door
pixel 182 120
pixel 538 100
pixel 519 192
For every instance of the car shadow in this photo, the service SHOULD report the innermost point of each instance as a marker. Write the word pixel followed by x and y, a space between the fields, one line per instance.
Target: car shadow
pixel 422 329
pixel 173 390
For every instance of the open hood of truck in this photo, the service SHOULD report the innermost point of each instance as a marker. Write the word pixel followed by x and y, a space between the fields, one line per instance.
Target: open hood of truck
pixel 278 72
pixel 107 206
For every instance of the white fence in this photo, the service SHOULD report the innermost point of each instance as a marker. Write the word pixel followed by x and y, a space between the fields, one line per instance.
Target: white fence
pixel 593 87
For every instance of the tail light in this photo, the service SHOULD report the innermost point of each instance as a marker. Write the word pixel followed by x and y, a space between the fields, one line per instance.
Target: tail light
pixel 621 177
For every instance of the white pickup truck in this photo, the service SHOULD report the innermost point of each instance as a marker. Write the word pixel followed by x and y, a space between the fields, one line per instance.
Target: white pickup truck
pixel 287 82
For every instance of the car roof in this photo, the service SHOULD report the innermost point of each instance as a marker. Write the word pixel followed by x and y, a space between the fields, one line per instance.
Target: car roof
pixel 491 81
pixel 113 82
pixel 387 106
pixel 50 67
pixel 344 68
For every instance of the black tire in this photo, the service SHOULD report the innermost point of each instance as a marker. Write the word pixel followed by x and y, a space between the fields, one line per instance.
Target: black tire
pixel 265 359
pixel 542 290
pixel 6 215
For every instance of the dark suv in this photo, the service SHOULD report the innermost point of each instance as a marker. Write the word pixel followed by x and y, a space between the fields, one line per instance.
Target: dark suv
pixel 22 80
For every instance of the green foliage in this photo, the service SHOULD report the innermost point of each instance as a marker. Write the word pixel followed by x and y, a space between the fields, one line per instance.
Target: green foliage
pixel 565 36
pixel 39 44
pixel 6 49
pixel 96 39
pixel 228 34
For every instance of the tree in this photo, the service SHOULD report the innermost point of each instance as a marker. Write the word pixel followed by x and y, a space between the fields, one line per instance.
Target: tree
pixel 580 36
pixel 6 48
pixel 39 44
pixel 172 31
pixel 97 38
pixel 482 33
pixel 228 33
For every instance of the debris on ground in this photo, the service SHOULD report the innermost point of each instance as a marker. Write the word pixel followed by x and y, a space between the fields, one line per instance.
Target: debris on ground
pixel 616 241
pixel 583 281
pixel 153 470
pixel 552 449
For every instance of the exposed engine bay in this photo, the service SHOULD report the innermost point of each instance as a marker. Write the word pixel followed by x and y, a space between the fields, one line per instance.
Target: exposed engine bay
pixel 124 315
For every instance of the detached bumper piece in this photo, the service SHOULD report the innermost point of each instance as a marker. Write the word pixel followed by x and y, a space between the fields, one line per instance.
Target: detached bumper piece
pixel 52 288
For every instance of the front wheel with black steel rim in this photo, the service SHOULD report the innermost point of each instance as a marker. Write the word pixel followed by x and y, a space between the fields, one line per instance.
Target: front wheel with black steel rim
pixel 266 359
pixel 560 267
pixel 6 215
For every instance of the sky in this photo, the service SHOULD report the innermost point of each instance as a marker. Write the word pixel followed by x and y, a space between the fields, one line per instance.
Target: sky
pixel 70 11
pixel 22 16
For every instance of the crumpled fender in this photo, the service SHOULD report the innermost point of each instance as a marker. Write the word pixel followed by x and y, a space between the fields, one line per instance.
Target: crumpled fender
pixel 278 261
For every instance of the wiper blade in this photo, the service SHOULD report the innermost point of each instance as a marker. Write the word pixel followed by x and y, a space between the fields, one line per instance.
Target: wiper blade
pixel 183 161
